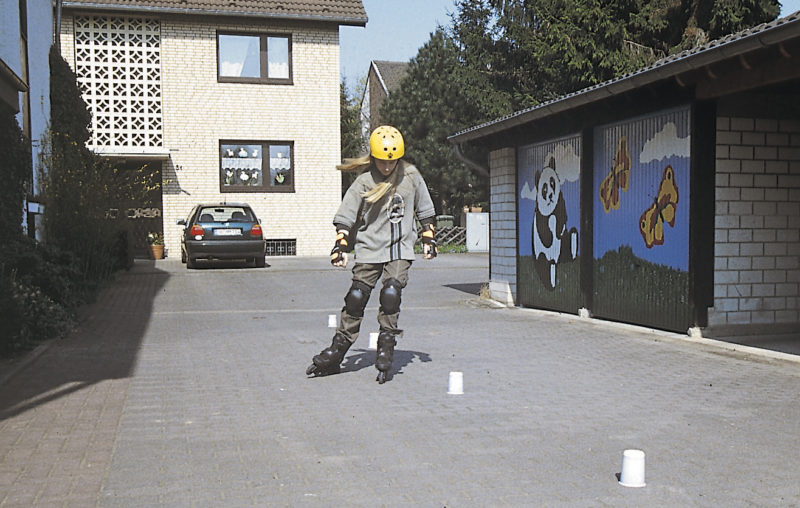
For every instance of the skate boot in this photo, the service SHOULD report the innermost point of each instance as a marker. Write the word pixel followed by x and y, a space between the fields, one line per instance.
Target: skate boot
pixel 329 360
pixel 383 362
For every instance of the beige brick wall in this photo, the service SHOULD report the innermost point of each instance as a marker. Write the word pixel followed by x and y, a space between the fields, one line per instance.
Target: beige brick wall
pixel 67 40
pixel 503 225
pixel 757 243
pixel 198 112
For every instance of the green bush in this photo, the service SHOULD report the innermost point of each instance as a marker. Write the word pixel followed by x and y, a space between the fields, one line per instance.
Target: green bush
pixel 39 317
pixel 82 187
pixel 41 286
pixel 10 316
pixel 40 289
pixel 54 271
pixel 15 166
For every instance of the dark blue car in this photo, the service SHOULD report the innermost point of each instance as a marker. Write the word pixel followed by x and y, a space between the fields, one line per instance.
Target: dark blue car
pixel 222 232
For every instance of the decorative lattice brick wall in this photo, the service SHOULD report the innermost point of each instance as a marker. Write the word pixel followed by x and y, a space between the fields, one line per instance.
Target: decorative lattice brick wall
pixel 118 65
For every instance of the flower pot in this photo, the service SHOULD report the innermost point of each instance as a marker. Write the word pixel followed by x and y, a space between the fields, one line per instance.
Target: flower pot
pixel 156 251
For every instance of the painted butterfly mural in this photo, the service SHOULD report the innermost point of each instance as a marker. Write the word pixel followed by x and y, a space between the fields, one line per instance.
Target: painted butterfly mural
pixel 651 223
pixel 618 178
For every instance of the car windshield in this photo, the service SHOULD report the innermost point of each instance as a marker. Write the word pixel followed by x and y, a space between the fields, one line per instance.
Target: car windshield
pixel 225 214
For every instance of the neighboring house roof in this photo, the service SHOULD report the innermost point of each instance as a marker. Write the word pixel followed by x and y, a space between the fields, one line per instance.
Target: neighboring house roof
pixel 774 33
pixel 389 73
pixel 343 12
pixel 10 85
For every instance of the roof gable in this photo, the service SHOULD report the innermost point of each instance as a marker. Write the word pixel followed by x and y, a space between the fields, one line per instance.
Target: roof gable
pixel 390 73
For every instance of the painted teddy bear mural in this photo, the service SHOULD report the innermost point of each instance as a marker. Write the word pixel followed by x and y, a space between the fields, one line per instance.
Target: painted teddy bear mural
pixel 552 242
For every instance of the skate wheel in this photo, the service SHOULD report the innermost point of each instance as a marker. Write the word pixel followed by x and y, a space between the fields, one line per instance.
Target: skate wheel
pixel 311 369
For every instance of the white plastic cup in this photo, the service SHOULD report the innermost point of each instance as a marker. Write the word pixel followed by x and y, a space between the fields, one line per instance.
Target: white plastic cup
pixel 456 384
pixel 331 320
pixel 632 474
pixel 373 340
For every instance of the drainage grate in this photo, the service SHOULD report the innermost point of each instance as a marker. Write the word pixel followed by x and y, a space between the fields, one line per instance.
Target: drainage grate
pixel 281 247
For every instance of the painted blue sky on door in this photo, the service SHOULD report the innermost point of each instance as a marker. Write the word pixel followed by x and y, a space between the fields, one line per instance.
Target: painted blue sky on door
pixel 549 204
pixel 641 188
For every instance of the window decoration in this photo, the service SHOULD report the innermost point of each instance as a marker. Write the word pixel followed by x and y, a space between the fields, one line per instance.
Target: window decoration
pixel 253 58
pixel 256 166
pixel 118 66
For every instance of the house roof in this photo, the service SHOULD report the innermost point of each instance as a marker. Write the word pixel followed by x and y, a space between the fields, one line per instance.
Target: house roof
pixel 343 12
pixel 390 73
pixel 774 33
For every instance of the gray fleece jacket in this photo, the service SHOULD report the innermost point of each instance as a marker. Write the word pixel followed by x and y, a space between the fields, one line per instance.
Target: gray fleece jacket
pixel 388 230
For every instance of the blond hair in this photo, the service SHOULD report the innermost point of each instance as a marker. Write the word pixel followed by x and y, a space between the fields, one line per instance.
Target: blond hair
pixel 376 193
pixel 355 164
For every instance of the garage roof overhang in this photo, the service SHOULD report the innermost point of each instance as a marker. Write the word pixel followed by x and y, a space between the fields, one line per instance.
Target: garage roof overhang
pixel 763 55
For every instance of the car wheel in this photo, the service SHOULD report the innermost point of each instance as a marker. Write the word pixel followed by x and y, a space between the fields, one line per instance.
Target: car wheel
pixel 183 256
pixel 260 262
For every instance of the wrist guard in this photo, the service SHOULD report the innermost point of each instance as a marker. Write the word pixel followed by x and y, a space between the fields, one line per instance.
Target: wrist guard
pixel 428 238
pixel 340 247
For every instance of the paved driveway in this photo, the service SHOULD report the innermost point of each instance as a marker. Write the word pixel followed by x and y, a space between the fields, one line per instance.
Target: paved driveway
pixel 188 388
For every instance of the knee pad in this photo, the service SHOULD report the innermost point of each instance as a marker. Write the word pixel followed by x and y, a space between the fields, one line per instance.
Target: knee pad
pixel 356 299
pixel 390 296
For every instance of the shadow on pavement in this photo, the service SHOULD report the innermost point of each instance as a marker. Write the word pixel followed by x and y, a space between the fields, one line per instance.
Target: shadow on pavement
pixel 204 264
pixel 782 343
pixel 366 358
pixel 104 345
pixel 473 288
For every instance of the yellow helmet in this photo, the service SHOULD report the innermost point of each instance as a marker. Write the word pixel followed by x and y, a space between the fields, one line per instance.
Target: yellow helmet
pixel 386 143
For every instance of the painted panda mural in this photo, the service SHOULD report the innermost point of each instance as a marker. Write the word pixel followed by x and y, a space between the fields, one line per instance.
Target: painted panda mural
pixel 552 242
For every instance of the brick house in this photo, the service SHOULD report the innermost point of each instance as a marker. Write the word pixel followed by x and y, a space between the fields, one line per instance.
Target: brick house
pixel 382 79
pixel 673 193
pixel 230 101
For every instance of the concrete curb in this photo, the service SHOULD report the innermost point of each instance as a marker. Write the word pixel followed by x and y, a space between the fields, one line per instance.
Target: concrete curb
pixel 14 367
pixel 665 335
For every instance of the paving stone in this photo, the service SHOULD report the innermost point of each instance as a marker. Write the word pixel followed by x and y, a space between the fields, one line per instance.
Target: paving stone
pixel 187 388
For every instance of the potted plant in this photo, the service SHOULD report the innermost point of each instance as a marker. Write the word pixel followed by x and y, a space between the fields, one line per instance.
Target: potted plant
pixel 156 242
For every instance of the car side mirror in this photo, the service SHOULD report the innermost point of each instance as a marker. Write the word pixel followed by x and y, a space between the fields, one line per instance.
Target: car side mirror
pixel 181 222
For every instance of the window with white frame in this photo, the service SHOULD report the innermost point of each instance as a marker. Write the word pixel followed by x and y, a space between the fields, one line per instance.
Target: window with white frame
pixel 254 58
pixel 256 166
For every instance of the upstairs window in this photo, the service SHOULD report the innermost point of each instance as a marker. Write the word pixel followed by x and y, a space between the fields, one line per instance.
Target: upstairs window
pixel 248 58
pixel 256 166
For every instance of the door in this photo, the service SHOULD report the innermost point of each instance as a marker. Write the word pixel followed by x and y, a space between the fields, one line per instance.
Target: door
pixel 548 221
pixel 641 220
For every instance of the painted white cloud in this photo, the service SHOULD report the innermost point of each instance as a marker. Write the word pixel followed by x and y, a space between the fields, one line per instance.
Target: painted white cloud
pixel 665 143
pixel 527 193
pixel 568 164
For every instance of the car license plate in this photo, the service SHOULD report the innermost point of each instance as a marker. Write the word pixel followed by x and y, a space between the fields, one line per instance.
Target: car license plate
pixel 227 232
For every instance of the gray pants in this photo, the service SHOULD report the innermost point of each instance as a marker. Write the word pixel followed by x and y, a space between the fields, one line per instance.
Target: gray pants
pixel 368 273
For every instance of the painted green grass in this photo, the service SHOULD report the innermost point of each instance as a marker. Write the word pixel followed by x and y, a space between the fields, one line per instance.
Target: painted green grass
pixel 631 289
pixel 565 297
pixel 626 288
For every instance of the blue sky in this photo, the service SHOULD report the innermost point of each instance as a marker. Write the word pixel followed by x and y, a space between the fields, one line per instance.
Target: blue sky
pixel 396 31
pixel 789 7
